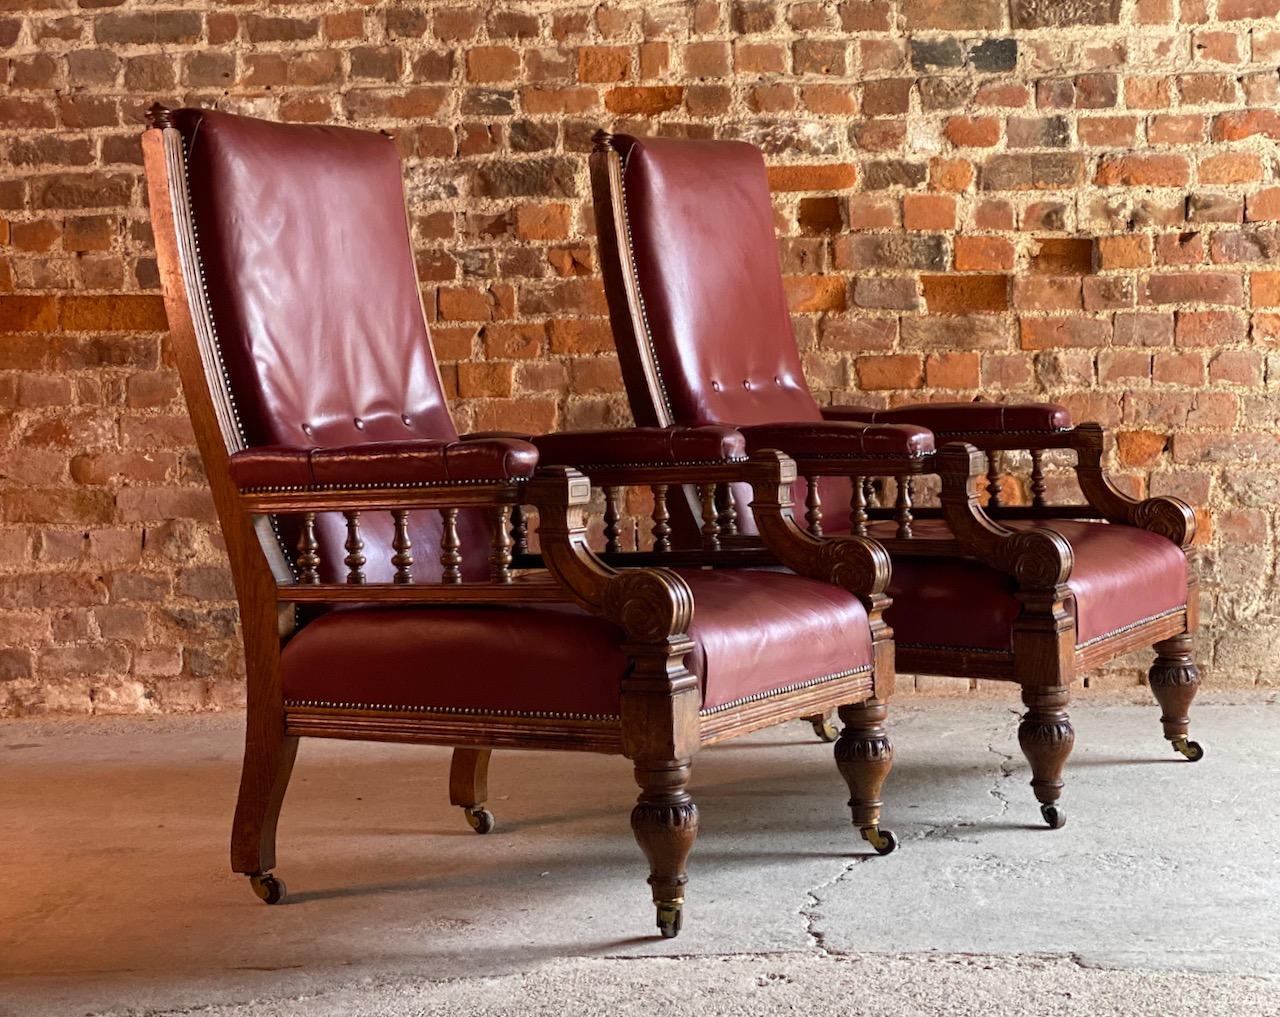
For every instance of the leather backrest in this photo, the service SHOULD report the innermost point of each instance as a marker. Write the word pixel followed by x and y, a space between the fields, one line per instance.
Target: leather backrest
pixel 304 247
pixel 702 239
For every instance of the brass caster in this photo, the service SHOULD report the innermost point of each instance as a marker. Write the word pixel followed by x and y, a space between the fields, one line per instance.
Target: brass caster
pixel 1054 816
pixel 670 918
pixel 1194 751
pixel 270 889
pixel 884 841
pixel 825 729
pixel 481 819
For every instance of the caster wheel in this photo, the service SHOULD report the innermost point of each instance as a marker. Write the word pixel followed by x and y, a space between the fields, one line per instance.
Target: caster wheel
pixel 884 841
pixel 270 889
pixel 1194 751
pixel 825 729
pixel 670 919
pixel 481 819
pixel 1054 816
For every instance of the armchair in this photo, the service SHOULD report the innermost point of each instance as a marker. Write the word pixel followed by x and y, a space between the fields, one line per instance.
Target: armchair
pixel 399 583
pixel 1037 595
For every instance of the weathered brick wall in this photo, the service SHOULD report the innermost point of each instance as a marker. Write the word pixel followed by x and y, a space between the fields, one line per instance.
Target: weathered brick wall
pixel 1065 198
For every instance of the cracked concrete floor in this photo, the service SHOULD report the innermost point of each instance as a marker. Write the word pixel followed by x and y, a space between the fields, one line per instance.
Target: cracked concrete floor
pixel 1159 897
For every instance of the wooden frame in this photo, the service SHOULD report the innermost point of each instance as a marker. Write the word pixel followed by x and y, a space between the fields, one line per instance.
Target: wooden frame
pixel 660 726
pixel 1043 656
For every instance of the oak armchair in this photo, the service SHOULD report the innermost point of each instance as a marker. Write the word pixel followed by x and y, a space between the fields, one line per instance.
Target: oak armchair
pixel 1036 594
pixel 399 583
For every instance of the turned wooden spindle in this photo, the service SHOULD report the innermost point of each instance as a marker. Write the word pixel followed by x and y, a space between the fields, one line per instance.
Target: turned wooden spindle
pixel 355 559
pixel 308 551
pixel 993 479
pixel 902 508
pixel 710 525
pixel 450 547
pixel 500 549
pixel 869 492
pixel 611 544
pixel 813 506
pixel 858 507
pixel 728 517
pixel 661 519
pixel 1037 478
pixel 519 530
pixel 402 559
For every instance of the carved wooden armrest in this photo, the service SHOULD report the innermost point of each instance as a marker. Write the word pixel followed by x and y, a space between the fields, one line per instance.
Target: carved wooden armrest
pixel 1038 558
pixel 857 564
pixel 1163 515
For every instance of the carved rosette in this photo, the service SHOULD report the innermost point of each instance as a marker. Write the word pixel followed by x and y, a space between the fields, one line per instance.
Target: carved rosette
pixel 1167 517
pixel 651 605
pixel 1039 559
pixel 855 564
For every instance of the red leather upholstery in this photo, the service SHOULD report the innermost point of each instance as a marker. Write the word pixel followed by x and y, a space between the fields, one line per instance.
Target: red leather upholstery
pixel 827 438
pixel 1122 575
pixel 709 444
pixel 962 418
pixel 385 462
pixel 304 247
pixel 754 632
pixel 707 260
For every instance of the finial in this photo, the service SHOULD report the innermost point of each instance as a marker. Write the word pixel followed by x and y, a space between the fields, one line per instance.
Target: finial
pixel 159 116
pixel 602 141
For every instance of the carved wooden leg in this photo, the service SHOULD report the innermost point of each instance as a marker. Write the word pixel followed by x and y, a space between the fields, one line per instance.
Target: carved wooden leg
pixel 268 762
pixel 469 786
pixel 665 824
pixel 1175 679
pixel 1046 737
pixel 864 756
pixel 823 727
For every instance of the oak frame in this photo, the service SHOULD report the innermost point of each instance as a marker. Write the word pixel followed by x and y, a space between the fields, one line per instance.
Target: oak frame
pixel 660 726
pixel 1044 658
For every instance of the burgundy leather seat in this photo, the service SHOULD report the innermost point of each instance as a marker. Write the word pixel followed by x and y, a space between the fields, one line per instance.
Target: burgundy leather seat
pixel 1121 576
pixel 725 352
pixel 753 631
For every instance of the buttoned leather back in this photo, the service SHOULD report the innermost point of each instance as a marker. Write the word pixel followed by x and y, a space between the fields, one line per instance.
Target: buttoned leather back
pixel 702 239
pixel 304 248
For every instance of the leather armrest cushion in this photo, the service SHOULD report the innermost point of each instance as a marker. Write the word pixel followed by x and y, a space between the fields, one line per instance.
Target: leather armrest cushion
pixel 635 445
pixel 835 438
pixel 962 418
pixel 380 463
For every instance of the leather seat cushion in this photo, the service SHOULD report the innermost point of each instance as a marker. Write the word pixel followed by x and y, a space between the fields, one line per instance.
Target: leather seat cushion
pixel 1122 575
pixel 754 632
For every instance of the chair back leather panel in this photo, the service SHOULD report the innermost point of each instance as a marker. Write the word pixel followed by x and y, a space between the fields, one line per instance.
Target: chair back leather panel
pixel 304 247
pixel 702 238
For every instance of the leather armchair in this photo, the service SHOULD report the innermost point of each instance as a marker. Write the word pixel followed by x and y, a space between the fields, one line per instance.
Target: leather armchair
pixel 398 582
pixel 1037 594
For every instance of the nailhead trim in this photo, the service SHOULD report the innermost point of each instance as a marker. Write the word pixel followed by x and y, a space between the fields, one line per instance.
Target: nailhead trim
pixel 657 464
pixel 1131 626
pixel 756 697
pixel 466 711
pixel 400 485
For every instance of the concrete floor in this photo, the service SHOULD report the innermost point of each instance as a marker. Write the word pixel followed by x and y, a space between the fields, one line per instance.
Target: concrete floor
pixel 1161 895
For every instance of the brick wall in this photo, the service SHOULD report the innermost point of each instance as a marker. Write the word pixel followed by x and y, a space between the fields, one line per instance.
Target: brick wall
pixel 1066 198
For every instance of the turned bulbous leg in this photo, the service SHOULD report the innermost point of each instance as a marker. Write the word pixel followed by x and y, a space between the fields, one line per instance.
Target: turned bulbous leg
pixel 1046 737
pixel 665 824
pixel 864 756
pixel 1174 680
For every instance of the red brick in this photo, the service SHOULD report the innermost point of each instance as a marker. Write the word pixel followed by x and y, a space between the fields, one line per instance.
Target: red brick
pixel 1230 168
pixel 928 212
pixel 644 100
pixel 1131 250
pixel 815 293
pixel 1050 333
pixel 493 63
pixel 1209 328
pixel 1194 288
pixel 604 63
pixel 983 253
pixel 1140 448
pixel 973 132
pixel 1144 170
pixel 1178 368
pixel 1246 124
pixel 1263 206
pixel 116 313
pixel 824 177
pixel 953 370
pixel 28 313
pixel 1175 129
pixel 965 294
pixel 1180 248
pixel 950 174
pixel 1264 289
pixel 1047 293
pixel 900 371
